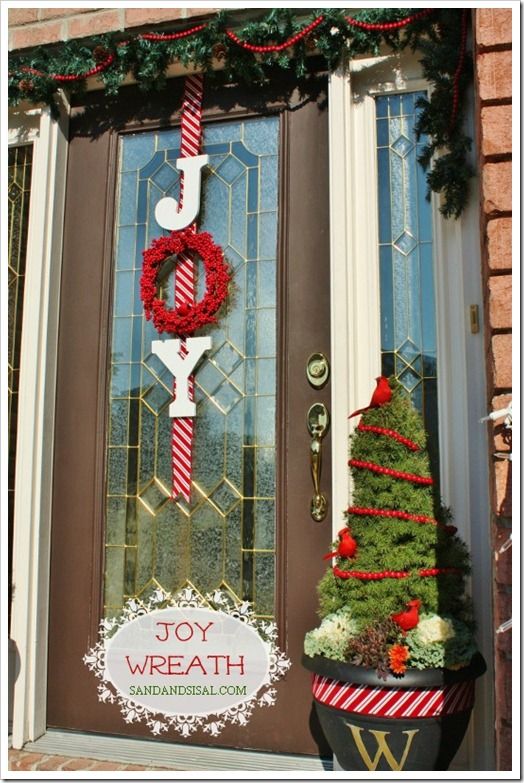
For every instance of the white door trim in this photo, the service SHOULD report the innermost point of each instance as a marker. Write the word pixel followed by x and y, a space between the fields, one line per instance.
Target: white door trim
pixel 36 416
pixel 355 323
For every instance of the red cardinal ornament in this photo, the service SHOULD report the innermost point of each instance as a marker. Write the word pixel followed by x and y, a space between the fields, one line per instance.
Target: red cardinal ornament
pixel 380 396
pixel 408 619
pixel 347 546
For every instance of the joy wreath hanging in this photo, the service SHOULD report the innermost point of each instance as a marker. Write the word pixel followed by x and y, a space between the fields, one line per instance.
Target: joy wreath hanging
pixel 283 40
pixel 185 319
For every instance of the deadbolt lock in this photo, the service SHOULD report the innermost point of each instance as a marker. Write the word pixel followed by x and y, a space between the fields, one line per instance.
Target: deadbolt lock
pixel 317 370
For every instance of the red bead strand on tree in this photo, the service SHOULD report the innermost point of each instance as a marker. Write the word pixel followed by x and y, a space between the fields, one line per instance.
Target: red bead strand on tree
pixel 394 514
pixel 390 434
pixel 370 575
pixel 437 571
pixel 376 575
pixel 358 463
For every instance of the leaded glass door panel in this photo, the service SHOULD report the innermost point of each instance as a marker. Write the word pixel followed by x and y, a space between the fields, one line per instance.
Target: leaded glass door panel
pixel 116 532
pixel 225 537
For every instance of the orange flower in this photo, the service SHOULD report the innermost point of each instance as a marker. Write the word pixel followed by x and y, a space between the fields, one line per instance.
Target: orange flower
pixel 398 655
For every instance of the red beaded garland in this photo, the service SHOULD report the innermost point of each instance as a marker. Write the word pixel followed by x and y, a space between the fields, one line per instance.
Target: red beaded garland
pixel 394 514
pixel 458 71
pixel 369 575
pixel 374 575
pixel 358 463
pixel 384 26
pixel 262 49
pixel 57 77
pixel 437 571
pixel 390 434
pixel 275 47
pixel 172 36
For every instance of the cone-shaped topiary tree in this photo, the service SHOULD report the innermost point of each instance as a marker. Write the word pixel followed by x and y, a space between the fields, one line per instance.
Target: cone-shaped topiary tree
pixel 397 579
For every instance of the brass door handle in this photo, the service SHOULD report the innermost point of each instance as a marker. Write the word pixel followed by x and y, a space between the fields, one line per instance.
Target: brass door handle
pixel 318 425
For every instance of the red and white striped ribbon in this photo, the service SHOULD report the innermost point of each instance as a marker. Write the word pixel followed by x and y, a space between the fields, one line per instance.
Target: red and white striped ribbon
pixel 394 702
pixel 183 428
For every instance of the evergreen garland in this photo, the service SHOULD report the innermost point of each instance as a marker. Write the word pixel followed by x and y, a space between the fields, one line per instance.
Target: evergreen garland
pixel 438 34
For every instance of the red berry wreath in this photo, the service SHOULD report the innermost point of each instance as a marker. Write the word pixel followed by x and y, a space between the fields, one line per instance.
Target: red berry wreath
pixel 187 318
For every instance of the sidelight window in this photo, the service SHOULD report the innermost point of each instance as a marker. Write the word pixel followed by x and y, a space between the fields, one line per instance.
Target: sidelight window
pixel 18 192
pixel 407 290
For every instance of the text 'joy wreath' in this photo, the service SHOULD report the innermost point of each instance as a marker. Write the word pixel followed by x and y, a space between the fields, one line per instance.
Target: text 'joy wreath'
pixel 185 319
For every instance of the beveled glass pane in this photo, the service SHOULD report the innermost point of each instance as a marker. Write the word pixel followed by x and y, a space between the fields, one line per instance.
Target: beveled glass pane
pixel 266 328
pixel 118 428
pixel 407 291
pixel 264 530
pixel 116 527
pixel 114 576
pixel 265 472
pixel 260 137
pixel 268 235
pixel 214 540
pixel 265 582
pixel 137 151
pixel 267 284
pixel 265 421
pixel 128 195
pixel 268 184
pixel 125 253
pixel 169 140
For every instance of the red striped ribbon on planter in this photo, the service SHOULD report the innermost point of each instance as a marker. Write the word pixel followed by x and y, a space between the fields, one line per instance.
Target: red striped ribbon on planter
pixel 394 702
pixel 183 428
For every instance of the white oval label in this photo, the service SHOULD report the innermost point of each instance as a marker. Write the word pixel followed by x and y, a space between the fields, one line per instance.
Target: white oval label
pixel 187 661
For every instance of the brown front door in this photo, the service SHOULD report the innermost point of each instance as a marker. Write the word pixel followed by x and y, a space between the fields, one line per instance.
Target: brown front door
pixel 116 533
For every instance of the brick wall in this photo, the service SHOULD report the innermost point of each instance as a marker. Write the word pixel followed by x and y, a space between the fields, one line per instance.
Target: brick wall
pixel 35 26
pixel 492 29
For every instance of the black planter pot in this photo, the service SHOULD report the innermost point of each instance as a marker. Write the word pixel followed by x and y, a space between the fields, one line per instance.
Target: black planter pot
pixel 415 722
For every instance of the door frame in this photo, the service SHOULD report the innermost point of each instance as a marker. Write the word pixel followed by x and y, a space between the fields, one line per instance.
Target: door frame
pixel 27 644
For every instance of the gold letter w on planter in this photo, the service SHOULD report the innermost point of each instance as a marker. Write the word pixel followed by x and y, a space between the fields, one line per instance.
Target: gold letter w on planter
pixel 383 748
